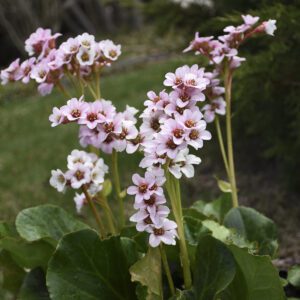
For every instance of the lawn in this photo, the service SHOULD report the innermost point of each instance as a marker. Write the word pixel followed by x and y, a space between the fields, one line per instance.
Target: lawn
pixel 30 148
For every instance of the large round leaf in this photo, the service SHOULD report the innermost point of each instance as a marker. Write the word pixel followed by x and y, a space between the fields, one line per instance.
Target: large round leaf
pixel 255 227
pixel 256 278
pixel 46 221
pixel 85 267
pixel 214 268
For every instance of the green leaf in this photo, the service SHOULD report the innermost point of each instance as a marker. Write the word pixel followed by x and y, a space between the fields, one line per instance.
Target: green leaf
pixel 34 286
pixel 28 255
pixel 214 268
pixel 147 271
pixel 255 227
pixel 219 207
pixel 294 276
pixel 194 230
pixel 8 229
pixel 85 267
pixel 224 186
pixel 12 274
pixel 256 278
pixel 46 222
pixel 141 238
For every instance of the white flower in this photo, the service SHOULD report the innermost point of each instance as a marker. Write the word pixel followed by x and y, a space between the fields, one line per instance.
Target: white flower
pixel 270 27
pixel 110 50
pixel 86 56
pixel 79 200
pixel 183 163
pixel 79 157
pixel 58 180
pixel 86 40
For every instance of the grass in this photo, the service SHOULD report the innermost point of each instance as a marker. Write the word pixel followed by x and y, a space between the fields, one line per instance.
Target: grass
pixel 30 148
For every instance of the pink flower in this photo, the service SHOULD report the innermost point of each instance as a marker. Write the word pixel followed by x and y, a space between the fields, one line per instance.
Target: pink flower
pixel 86 40
pixel 142 188
pixel 154 200
pixel 80 201
pixel 110 50
pixel 79 176
pixel 217 106
pixel 164 233
pixel 58 180
pixel 270 27
pixel 176 130
pixel 45 88
pixel 57 117
pixel 199 44
pixel 156 102
pixel 184 97
pixel 25 69
pixel 39 41
pixel 40 71
pixel 166 145
pixel 75 109
pixel 92 116
pixel 250 20
pixel 86 56
pixel 71 46
pixel 11 73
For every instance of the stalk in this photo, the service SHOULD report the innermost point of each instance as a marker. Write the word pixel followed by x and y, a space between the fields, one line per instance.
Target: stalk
pixel 109 215
pixel 63 90
pixel 116 179
pixel 94 211
pixel 167 269
pixel 221 143
pixel 173 189
pixel 228 83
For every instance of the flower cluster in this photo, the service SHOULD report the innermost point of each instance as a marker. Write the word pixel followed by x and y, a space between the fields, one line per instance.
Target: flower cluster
pixel 225 46
pixel 100 125
pixel 152 215
pixel 80 57
pixel 171 122
pixel 84 170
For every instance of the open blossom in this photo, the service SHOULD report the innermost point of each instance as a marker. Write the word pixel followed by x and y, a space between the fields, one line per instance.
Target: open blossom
pixel 11 73
pixel 183 164
pixel 217 106
pixel 164 233
pixel 110 50
pixel 270 27
pixel 58 180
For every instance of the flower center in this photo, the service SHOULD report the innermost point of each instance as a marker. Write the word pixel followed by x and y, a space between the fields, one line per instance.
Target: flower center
pixel 158 231
pixel 150 201
pixel 155 124
pixel 85 56
pixel 148 220
pixel 143 188
pixel 189 123
pixel 112 53
pixel 194 134
pixel 178 133
pixel 92 117
pixel 109 127
pixel 76 113
pixel 178 81
pixel 79 175
pixel 171 145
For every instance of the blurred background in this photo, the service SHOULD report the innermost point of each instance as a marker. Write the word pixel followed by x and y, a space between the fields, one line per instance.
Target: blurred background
pixel 153 33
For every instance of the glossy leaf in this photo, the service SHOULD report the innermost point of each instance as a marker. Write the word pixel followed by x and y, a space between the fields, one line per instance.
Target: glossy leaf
pixel 85 267
pixel 219 207
pixel 294 276
pixel 46 222
pixel 255 227
pixel 34 286
pixel 147 271
pixel 214 268
pixel 256 278
pixel 224 186
pixel 194 230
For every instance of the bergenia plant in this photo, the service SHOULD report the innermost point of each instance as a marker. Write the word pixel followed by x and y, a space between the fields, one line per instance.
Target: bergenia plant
pixel 209 251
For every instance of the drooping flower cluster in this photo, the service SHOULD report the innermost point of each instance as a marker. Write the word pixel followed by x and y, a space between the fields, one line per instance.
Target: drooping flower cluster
pixel 152 213
pixel 84 170
pixel 225 46
pixel 80 57
pixel 100 125
pixel 171 123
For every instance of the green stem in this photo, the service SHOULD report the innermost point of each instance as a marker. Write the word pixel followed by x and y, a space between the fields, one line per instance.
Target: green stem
pixel 173 189
pixel 109 215
pixel 167 269
pixel 116 179
pixel 94 211
pixel 228 83
pixel 221 143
